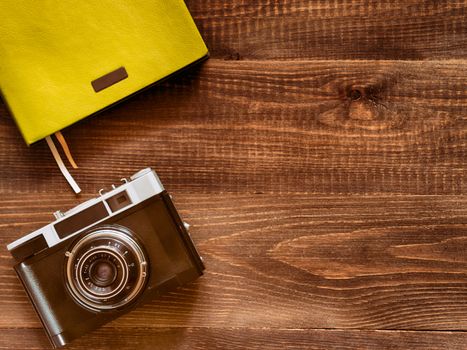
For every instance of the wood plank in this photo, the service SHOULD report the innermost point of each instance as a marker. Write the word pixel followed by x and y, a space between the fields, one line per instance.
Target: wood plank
pixel 357 127
pixel 240 338
pixel 293 261
pixel 320 158
pixel 345 29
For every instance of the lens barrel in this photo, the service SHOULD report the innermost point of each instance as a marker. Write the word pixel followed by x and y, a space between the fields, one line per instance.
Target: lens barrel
pixel 106 268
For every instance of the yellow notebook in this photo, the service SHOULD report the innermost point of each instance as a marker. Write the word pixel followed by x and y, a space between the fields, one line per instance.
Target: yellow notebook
pixel 63 60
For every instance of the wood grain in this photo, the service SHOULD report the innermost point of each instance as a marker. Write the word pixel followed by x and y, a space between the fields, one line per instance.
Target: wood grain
pixel 345 29
pixel 234 338
pixel 320 157
pixel 294 261
pixel 272 127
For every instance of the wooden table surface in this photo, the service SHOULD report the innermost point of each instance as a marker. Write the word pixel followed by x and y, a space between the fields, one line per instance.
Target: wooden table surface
pixel 320 157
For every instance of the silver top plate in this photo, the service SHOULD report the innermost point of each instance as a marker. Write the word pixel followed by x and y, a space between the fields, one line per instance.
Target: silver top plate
pixel 141 186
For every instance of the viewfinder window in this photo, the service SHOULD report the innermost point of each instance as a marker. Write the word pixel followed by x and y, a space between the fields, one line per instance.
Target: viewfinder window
pixel 119 201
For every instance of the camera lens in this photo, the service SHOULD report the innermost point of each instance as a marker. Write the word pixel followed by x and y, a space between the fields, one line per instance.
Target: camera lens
pixel 102 273
pixel 106 268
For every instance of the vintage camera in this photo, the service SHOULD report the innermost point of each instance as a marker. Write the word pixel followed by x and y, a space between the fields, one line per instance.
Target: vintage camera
pixel 100 259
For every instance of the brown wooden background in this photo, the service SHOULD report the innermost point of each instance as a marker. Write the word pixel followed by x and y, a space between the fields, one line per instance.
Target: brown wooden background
pixel 320 156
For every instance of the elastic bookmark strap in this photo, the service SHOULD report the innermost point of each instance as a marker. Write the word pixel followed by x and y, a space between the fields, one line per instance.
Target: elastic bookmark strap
pixel 62 166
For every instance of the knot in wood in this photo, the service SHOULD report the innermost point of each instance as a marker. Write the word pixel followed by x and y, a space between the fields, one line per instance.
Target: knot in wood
pixel 355 94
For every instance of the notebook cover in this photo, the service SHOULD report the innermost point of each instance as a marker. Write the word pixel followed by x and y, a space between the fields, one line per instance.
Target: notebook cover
pixel 63 60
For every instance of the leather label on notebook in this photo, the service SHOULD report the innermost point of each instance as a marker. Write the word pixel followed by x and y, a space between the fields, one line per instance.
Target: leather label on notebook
pixel 109 79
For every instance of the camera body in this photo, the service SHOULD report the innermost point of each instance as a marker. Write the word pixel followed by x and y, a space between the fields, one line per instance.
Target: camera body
pixel 102 258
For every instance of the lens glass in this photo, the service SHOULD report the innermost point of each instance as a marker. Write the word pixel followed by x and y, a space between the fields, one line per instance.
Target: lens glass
pixel 102 273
